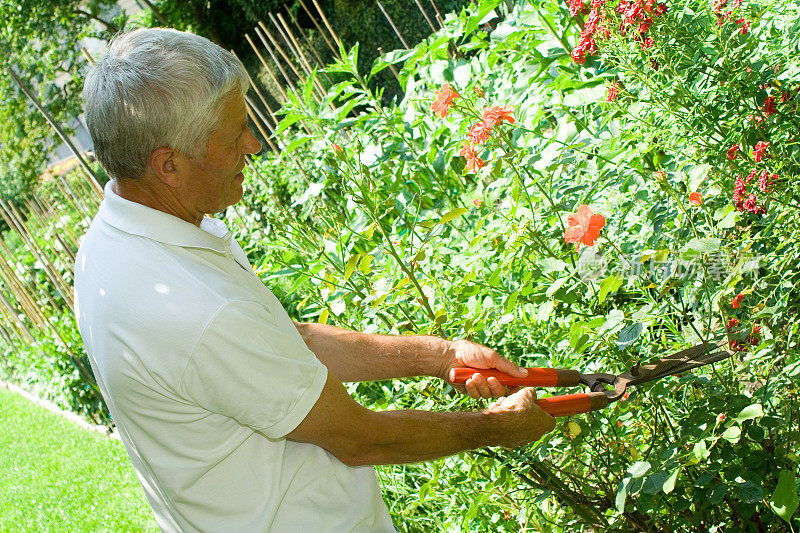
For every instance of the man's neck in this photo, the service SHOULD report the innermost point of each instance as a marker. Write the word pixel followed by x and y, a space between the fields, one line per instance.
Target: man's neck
pixel 155 196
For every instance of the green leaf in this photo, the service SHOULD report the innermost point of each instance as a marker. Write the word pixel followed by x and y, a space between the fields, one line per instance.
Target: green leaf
pixel 669 484
pixel 639 468
pixel 784 501
pixel 622 494
pixel 551 290
pixel 750 412
pixel 609 285
pixel 628 335
pixel 703 245
pixel 732 434
pixel 453 213
pixel 350 267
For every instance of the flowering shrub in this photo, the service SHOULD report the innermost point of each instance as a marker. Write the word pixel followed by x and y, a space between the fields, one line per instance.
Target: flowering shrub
pixel 455 212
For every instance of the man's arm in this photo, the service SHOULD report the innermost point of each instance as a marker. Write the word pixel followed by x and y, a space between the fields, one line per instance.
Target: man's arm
pixel 355 356
pixel 358 436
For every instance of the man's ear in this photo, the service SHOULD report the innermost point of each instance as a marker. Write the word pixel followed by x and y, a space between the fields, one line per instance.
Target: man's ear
pixel 165 164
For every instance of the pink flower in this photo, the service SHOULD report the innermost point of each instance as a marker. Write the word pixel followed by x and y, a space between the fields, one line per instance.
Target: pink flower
pixel 575 6
pixel 758 151
pixel 732 151
pixel 584 227
pixel 444 99
pixel 474 163
pixel 496 114
pixel 479 133
pixel 612 91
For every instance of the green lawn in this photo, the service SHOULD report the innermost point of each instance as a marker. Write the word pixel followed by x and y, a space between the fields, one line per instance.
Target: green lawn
pixel 56 476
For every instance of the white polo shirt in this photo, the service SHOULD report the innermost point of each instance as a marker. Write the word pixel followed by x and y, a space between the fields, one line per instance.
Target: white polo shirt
pixel 204 374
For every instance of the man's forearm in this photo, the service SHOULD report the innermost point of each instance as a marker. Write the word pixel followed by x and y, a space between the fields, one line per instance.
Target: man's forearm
pixel 355 356
pixel 358 436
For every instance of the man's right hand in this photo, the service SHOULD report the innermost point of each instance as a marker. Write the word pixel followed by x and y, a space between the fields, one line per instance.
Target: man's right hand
pixel 526 421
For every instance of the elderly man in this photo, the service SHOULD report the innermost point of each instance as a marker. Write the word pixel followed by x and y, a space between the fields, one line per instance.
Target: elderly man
pixel 234 416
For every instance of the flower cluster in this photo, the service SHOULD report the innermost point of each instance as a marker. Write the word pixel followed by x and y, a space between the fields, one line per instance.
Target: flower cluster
pixel 748 202
pixel 636 16
pixel 739 344
pixel 584 227
pixel 481 131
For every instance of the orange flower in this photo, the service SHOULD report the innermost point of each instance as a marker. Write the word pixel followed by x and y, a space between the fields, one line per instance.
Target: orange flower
pixel 496 114
pixel 478 202
pixel 474 163
pixel 479 133
pixel 584 227
pixel 696 198
pixel 444 99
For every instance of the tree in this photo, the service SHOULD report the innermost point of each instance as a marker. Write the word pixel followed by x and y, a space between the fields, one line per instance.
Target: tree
pixel 40 40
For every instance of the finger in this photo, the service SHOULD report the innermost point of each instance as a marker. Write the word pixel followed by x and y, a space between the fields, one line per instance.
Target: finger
pixel 499 401
pixel 504 365
pixel 482 386
pixel 496 388
pixel 472 390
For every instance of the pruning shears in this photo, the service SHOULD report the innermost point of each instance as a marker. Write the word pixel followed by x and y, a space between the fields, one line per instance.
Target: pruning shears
pixel 601 395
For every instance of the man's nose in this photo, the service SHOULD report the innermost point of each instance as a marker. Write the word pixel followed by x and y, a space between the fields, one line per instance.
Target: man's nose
pixel 251 145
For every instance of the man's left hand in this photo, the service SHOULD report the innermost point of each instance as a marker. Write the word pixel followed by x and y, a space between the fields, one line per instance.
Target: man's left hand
pixel 463 353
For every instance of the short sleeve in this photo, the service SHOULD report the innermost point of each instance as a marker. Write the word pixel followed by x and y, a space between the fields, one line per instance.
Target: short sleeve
pixel 246 368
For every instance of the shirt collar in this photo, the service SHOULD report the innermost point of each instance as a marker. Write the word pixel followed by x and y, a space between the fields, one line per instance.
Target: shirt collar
pixel 138 219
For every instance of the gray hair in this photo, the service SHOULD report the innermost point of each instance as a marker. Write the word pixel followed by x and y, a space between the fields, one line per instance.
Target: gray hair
pixel 157 87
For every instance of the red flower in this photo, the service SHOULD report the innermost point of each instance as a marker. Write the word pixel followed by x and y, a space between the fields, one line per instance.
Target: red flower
pixel 444 99
pixel 769 106
pixel 737 300
pixel 733 323
pixel 720 418
pixel 584 227
pixel 765 181
pixel 696 198
pixel 647 43
pixel 478 202
pixel 575 6
pixel 758 151
pixel 732 151
pixel 496 114
pixel 745 25
pixel 474 163
pixel 479 91
pixel 612 92
pixel 479 133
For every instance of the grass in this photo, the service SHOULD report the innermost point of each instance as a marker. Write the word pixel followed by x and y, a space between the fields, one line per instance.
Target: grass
pixel 56 476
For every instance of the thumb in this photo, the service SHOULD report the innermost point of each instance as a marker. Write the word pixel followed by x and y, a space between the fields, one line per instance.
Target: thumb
pixel 504 365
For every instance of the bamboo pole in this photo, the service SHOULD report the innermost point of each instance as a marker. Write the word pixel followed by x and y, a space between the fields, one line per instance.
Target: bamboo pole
pixel 47 207
pixel 266 67
pixel 253 110
pixel 8 213
pixel 15 318
pixel 391 67
pixel 33 285
pixel 275 60
pixel 279 48
pixel 261 97
pixel 300 54
pixel 427 18
pixel 391 23
pixel 9 278
pixel 327 24
pixel 317 59
pixel 271 74
pixel 439 17
pixel 52 122
pixel 333 48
